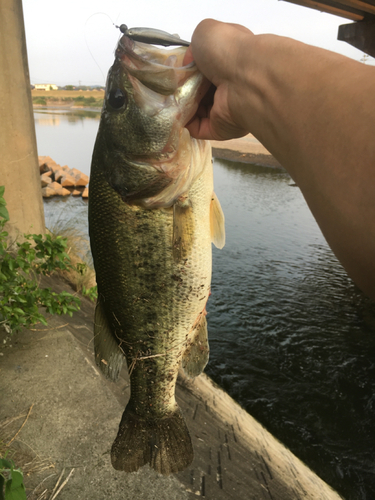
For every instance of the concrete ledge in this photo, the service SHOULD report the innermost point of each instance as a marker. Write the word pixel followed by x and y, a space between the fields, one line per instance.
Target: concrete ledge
pixel 246 150
pixel 72 424
pixel 247 461
pixel 76 413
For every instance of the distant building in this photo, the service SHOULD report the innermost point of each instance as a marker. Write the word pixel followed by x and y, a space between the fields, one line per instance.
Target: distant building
pixel 45 86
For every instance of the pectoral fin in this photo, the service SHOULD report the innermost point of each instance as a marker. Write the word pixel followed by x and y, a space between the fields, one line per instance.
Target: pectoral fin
pixel 108 355
pixel 183 229
pixel 196 354
pixel 217 221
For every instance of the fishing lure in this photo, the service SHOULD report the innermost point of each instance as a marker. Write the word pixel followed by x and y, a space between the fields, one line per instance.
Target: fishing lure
pixel 152 36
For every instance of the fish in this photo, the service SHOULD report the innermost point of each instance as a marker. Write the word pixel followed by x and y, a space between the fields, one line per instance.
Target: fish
pixel 153 216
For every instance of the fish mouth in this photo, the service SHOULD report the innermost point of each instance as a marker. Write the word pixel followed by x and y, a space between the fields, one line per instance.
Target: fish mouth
pixel 160 70
pixel 168 94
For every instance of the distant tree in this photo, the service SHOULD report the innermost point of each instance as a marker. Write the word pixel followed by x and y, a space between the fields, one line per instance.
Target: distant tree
pixel 69 87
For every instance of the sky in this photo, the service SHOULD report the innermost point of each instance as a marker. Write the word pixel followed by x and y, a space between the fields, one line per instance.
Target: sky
pixel 72 42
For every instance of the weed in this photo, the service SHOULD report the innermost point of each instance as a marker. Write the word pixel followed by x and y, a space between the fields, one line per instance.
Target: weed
pixel 11 481
pixel 80 274
pixel 20 295
pixel 90 293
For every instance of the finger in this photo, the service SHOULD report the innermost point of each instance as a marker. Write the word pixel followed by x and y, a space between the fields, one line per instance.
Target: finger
pixel 200 128
pixel 239 27
pixel 188 58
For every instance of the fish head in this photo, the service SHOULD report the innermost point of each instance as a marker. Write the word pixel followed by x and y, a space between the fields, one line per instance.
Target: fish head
pixel 150 97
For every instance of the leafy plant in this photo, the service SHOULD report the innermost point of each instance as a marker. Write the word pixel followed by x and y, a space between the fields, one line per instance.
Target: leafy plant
pixel 81 274
pixel 11 481
pixel 20 294
pixel 4 214
pixel 90 293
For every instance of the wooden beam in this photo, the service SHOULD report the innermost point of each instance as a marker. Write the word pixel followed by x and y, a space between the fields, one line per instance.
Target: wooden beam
pixel 361 35
pixel 360 5
pixel 329 9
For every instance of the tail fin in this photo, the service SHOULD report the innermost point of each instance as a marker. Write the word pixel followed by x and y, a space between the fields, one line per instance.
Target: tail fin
pixel 164 443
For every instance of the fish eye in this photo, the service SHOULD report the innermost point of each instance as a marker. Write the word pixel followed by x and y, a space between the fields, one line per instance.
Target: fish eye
pixel 117 98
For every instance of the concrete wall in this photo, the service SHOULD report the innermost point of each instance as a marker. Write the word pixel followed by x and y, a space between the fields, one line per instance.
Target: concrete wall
pixel 19 171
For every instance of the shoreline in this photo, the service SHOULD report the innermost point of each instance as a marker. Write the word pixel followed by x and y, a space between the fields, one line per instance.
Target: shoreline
pixel 67 105
pixel 246 149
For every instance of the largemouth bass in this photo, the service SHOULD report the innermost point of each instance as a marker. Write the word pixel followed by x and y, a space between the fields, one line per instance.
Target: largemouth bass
pixel 152 217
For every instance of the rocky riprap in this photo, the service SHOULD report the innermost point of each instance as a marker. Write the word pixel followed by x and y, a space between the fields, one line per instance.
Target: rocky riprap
pixel 57 180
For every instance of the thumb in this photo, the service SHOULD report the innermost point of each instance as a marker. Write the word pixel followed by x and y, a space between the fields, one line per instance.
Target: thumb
pixel 188 58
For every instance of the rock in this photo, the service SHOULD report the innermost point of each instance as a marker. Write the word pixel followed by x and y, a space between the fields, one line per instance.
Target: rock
pixel 54 168
pixel 42 163
pixel 77 191
pixel 57 187
pixel 42 159
pixel 67 180
pixel 63 178
pixel 54 189
pixel 47 192
pixel 85 193
pixel 52 165
pixel 45 180
pixel 81 179
pixel 58 174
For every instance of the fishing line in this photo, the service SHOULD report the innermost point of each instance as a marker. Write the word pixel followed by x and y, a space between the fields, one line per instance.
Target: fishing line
pixel 87 45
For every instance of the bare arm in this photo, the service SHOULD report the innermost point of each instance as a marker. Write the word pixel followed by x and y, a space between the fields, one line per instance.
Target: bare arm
pixel 314 110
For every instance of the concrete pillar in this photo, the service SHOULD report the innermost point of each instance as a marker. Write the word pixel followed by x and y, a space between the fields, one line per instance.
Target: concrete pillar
pixel 19 170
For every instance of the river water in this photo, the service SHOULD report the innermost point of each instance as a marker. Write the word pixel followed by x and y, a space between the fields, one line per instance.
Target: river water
pixel 292 339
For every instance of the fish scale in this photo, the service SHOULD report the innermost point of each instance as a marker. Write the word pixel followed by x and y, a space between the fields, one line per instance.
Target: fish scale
pixel 153 270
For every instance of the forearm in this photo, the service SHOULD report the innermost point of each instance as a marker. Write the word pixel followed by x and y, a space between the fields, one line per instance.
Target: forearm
pixel 307 105
pixel 315 112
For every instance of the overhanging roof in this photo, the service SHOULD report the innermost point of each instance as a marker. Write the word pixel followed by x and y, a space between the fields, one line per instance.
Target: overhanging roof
pixel 356 10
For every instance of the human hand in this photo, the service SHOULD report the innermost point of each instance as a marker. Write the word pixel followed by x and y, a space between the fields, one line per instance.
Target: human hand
pixel 216 50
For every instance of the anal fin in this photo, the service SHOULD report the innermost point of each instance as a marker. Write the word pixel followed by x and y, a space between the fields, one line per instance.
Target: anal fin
pixel 108 355
pixel 197 353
